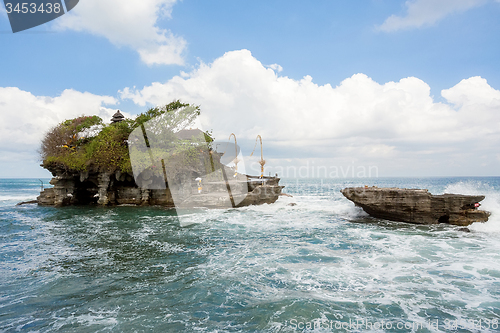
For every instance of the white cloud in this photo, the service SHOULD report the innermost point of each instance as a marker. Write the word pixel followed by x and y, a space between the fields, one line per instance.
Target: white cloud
pixel 275 67
pixel 395 126
pixel 131 23
pixel 24 117
pixel 238 93
pixel 471 92
pixel 479 107
pixel 421 13
pixel 359 117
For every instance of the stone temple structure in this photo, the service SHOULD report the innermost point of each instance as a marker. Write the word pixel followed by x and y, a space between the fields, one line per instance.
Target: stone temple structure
pixel 117 117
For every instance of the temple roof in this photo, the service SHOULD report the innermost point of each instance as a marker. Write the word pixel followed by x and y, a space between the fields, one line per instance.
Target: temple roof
pixel 117 117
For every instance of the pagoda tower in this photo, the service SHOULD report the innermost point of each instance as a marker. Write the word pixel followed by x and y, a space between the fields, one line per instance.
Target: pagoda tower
pixel 117 117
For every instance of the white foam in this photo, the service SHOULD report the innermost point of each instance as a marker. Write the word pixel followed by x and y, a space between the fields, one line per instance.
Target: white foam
pixel 16 198
pixel 279 253
pixel 105 318
pixel 491 203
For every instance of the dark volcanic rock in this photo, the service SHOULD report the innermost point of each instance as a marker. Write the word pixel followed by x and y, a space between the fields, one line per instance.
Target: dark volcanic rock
pixel 417 206
pixel 102 188
pixel 117 188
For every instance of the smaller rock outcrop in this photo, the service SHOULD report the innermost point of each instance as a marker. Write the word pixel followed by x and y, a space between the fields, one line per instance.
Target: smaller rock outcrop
pixel 417 206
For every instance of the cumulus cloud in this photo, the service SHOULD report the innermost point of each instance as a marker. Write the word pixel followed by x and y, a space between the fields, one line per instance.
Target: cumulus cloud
pixel 275 67
pixel 359 117
pixel 395 126
pixel 238 93
pixel 24 117
pixel 131 23
pixel 421 13
pixel 471 92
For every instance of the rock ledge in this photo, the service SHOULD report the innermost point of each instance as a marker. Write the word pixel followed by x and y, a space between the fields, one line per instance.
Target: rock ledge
pixel 417 205
pixel 117 188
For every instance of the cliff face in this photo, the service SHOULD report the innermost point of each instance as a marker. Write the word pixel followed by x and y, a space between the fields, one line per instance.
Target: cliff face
pixel 102 188
pixel 117 188
pixel 162 162
pixel 417 206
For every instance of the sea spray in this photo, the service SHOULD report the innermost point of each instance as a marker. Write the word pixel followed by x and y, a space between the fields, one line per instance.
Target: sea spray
pixel 257 268
pixel 491 202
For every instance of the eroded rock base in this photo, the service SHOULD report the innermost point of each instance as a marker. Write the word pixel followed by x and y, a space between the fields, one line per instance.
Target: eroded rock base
pixel 417 205
pixel 116 188
pixel 102 189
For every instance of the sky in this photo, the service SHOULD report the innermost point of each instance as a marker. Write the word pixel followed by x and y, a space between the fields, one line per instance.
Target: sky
pixel 335 88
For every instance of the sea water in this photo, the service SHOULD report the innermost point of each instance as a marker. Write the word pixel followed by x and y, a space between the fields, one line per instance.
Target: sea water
pixel 322 265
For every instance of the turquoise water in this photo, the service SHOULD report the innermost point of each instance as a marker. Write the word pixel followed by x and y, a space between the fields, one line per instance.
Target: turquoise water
pixel 321 266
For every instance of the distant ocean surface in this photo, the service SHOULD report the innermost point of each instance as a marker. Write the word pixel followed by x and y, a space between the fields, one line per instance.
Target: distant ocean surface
pixel 320 266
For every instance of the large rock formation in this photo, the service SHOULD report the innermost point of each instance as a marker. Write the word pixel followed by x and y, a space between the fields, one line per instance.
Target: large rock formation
pixel 117 188
pixel 167 163
pixel 101 188
pixel 417 206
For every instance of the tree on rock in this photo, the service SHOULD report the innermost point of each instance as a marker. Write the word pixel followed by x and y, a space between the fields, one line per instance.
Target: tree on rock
pixel 87 144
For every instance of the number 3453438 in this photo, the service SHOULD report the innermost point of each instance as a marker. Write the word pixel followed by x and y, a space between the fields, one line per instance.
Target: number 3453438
pixel 25 8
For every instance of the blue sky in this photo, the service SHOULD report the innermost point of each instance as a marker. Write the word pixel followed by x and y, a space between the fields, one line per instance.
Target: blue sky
pixel 409 87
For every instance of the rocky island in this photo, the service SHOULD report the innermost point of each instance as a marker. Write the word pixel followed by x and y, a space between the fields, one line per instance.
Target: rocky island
pixel 91 164
pixel 417 205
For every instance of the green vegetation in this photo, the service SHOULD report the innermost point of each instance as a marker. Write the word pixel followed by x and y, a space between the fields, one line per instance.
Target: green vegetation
pixel 87 144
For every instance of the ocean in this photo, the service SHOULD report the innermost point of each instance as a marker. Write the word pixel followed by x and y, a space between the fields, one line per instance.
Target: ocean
pixel 322 265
